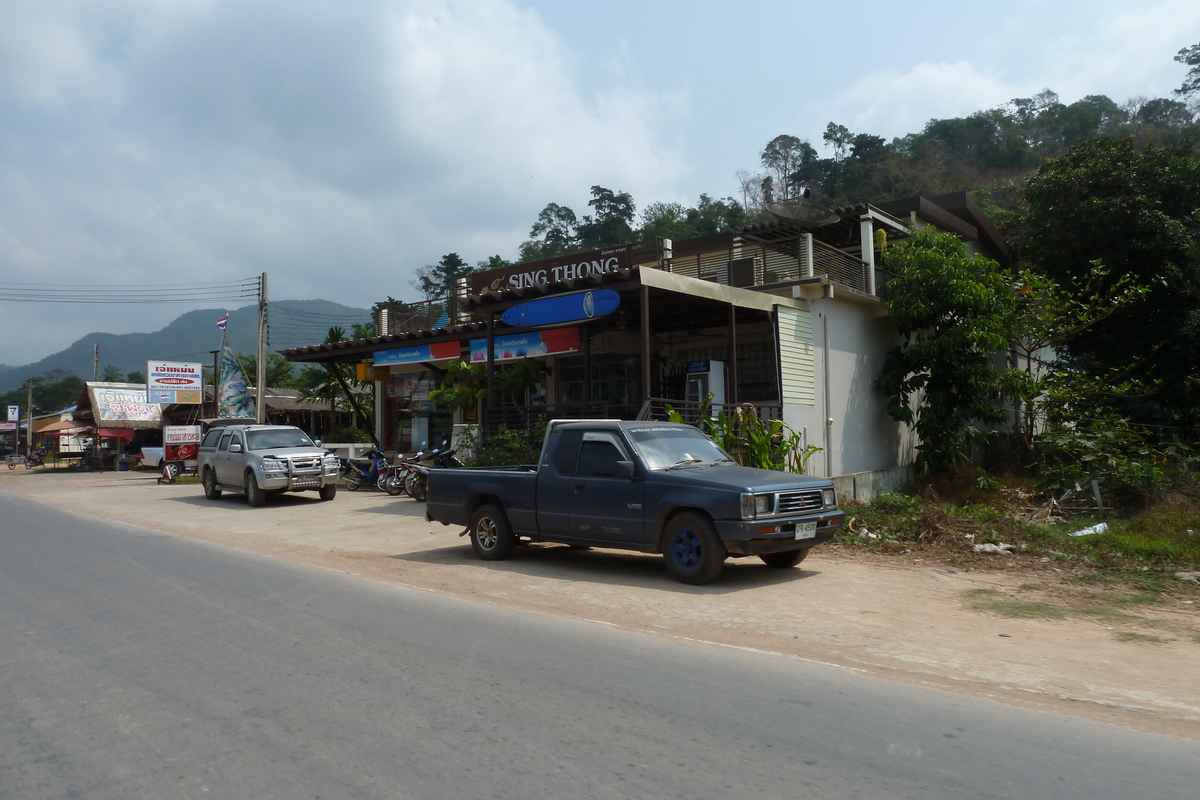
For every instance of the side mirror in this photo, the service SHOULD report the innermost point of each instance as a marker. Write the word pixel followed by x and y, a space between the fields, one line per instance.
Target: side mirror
pixel 235 448
pixel 624 469
pixel 319 442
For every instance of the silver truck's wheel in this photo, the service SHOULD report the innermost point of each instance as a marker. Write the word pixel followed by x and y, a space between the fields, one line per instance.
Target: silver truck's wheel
pixel 210 485
pixel 328 491
pixel 785 560
pixel 254 495
pixel 692 550
pixel 491 535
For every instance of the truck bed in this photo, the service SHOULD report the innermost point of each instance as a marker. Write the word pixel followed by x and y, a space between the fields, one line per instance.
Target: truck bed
pixel 515 487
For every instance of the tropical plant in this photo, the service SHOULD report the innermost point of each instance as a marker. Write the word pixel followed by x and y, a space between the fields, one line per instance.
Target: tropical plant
pixel 751 441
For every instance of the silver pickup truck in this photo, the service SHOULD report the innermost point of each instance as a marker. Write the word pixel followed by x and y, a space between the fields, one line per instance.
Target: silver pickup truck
pixel 264 460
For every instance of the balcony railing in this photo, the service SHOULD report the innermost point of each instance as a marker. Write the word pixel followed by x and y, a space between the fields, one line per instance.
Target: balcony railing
pixel 748 265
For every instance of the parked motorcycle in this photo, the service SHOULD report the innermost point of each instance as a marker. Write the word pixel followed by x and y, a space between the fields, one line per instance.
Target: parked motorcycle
pixel 358 473
pixel 417 482
pixel 37 458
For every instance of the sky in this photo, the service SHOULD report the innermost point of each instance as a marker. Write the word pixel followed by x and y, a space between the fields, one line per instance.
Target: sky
pixel 340 146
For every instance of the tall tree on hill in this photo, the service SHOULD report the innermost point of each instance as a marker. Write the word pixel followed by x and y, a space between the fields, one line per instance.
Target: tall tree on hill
pixel 613 220
pixel 1134 211
pixel 554 234
pixel 1191 83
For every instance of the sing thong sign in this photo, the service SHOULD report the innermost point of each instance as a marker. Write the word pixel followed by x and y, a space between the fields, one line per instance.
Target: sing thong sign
pixel 564 268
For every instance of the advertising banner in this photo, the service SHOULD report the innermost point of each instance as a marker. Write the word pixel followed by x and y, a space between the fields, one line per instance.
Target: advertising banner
pixel 124 404
pixel 528 345
pixel 438 351
pixel 174 382
pixel 8 426
pixel 181 442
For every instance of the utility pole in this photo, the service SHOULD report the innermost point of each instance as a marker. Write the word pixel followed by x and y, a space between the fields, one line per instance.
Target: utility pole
pixel 216 354
pixel 260 411
pixel 29 420
pixel 95 362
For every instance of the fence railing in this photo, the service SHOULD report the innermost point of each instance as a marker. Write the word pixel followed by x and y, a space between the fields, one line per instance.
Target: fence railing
pixel 531 417
pixel 658 409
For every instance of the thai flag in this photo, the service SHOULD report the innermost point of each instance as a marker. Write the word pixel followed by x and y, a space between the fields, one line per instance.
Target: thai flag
pixel 222 321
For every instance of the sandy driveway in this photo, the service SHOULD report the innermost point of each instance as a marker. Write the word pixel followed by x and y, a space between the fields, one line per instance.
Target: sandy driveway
pixel 894 618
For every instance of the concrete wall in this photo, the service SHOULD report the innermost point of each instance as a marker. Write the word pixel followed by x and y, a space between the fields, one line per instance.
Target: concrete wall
pixel 863 486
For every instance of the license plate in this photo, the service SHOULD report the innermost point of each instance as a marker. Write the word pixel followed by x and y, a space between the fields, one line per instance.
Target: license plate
pixel 806 530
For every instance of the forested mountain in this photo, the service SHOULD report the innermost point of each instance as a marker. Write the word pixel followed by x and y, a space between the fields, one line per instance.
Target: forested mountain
pixel 191 337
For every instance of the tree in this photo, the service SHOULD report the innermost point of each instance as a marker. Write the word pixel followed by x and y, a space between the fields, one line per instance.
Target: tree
pixel 952 310
pixel 112 374
pixel 612 223
pixel 716 216
pixel 1134 209
pixel 839 138
pixel 334 385
pixel 281 373
pixel 138 377
pixel 788 159
pixel 1191 82
pixel 669 220
pixel 441 279
pixel 554 234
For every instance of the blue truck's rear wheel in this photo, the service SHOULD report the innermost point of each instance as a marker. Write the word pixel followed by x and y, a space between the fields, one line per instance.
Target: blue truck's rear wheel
pixel 693 551
pixel 491 535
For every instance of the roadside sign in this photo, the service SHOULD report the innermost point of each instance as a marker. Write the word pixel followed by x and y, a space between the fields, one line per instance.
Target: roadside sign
pixel 14 413
pixel 174 382
pixel 8 426
pixel 181 442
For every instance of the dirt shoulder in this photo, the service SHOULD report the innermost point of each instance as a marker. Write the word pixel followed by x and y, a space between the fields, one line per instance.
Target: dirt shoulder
pixel 895 618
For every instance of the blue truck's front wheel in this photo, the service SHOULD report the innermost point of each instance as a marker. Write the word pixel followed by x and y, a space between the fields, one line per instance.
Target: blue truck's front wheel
pixel 491 535
pixel 693 551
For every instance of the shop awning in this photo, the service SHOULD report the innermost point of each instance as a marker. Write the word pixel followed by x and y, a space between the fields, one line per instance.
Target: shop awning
pixel 116 433
pixel 66 427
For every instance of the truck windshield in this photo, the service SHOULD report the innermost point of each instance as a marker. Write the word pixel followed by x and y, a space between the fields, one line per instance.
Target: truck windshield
pixel 268 440
pixel 663 447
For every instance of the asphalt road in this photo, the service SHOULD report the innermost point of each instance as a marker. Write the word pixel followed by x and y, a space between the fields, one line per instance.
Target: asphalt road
pixel 137 664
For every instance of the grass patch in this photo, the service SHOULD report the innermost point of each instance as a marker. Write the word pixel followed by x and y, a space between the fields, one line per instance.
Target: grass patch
pixel 1195 637
pixel 1130 636
pixel 1017 609
pixel 188 480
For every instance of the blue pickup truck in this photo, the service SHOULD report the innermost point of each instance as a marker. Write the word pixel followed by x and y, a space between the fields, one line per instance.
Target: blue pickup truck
pixel 649 486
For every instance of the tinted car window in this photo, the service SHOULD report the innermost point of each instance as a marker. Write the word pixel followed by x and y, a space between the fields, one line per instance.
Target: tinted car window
pixel 225 441
pixel 598 460
pixel 265 440
pixel 567 452
pixel 210 438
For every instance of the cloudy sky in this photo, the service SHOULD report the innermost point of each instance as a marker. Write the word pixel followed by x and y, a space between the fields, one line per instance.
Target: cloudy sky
pixel 339 146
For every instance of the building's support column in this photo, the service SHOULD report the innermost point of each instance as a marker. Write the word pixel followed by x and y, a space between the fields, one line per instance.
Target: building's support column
pixel 733 359
pixel 808 255
pixel 645 303
pixel 490 402
pixel 587 362
pixel 866 231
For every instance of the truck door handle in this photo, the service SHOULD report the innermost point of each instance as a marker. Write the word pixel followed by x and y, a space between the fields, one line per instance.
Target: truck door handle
pixel 579 486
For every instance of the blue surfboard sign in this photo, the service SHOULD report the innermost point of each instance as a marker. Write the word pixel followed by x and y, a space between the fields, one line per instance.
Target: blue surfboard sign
pixel 572 307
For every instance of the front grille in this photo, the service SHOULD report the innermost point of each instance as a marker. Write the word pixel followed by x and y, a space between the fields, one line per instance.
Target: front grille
pixel 795 502
pixel 306 463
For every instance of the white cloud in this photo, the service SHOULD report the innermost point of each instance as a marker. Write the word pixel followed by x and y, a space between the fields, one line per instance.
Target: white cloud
pixel 335 146
pixel 891 103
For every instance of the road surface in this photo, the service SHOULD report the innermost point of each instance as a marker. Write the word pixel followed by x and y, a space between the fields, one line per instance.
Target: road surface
pixel 136 664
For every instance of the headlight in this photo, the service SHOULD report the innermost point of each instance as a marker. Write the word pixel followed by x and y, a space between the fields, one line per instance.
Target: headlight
pixel 830 497
pixel 747 506
pixel 757 505
pixel 273 465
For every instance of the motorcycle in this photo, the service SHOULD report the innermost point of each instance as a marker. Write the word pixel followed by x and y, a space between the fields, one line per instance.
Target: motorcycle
pixel 36 459
pixel 358 473
pixel 417 482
